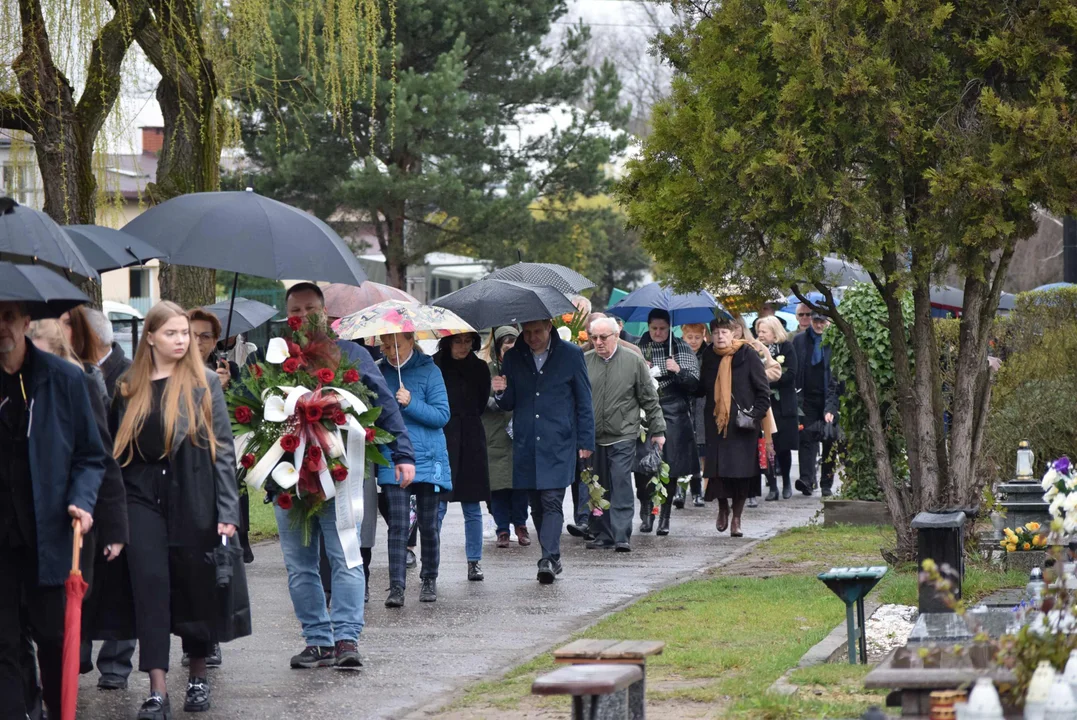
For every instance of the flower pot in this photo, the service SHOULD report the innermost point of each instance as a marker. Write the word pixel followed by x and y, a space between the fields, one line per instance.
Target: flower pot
pixel 1024 560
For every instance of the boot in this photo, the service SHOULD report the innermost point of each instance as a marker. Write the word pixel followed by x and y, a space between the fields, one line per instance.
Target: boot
pixel 787 489
pixel 678 497
pixel 663 520
pixel 772 484
pixel 647 516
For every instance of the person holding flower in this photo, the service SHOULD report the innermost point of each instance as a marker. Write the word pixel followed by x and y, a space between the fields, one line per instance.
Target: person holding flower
pixel 173 438
pixel 783 403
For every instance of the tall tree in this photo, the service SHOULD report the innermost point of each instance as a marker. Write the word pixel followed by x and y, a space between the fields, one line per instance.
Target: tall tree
pixel 493 131
pixel 913 137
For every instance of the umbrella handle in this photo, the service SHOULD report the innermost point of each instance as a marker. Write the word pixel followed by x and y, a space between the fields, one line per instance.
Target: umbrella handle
pixel 76 546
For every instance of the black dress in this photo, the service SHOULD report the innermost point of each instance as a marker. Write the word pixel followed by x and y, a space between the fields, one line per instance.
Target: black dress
pixel 467 383
pixel 731 463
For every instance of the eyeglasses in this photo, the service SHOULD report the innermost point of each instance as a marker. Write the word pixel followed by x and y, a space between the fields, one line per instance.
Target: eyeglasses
pixel 603 338
pixel 803 314
pixel 207 337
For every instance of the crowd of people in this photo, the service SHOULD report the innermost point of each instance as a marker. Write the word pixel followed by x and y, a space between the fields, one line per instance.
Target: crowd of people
pixel 139 454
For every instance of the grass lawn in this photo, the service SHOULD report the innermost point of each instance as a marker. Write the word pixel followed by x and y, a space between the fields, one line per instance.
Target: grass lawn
pixel 263 523
pixel 731 635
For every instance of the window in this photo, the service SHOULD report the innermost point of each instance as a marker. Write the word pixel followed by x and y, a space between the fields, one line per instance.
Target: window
pixel 139 285
pixel 19 180
pixel 442 287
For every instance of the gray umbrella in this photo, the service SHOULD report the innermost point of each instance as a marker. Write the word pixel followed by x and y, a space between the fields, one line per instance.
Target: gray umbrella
pixel 42 291
pixel 107 249
pixel 246 314
pixel 565 279
pixel 492 303
pixel 30 237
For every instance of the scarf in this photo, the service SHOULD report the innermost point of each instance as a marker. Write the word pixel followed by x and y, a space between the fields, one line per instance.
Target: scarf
pixel 817 346
pixel 723 386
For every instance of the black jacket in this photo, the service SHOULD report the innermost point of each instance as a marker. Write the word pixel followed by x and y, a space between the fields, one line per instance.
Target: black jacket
pixel 831 389
pixel 114 366
pixel 735 454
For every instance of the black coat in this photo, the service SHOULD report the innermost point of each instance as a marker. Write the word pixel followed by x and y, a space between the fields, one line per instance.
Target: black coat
pixel 114 366
pixel 467 383
pixel 783 398
pixel 735 455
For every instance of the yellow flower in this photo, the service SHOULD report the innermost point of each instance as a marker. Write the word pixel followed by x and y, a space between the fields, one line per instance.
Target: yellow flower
pixel 1039 541
pixel 1033 526
pixel 1010 547
pixel 1026 546
pixel 1010 534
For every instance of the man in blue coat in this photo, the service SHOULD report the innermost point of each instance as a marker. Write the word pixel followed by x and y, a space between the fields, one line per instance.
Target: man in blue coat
pixel 544 382
pixel 52 463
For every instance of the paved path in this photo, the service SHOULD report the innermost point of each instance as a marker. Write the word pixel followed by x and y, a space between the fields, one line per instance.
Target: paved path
pixel 417 656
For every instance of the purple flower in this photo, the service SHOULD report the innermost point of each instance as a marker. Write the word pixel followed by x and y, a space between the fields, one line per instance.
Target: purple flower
pixel 1062 465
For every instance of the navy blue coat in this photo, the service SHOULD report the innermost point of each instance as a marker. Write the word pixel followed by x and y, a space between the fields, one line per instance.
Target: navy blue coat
pixel 67 459
pixel 552 415
pixel 390 420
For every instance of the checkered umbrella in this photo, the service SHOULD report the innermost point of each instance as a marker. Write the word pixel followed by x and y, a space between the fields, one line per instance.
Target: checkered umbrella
pixel 564 279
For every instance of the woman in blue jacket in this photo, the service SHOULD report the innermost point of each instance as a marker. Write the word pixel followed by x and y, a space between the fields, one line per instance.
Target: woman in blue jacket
pixel 420 392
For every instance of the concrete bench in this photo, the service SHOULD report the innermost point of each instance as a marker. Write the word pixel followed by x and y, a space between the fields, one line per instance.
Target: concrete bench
pixel 615 652
pixel 599 692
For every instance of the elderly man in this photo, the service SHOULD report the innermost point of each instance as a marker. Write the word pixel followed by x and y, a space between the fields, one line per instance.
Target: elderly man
pixel 113 362
pixel 818 404
pixel 52 463
pixel 620 387
pixel 544 382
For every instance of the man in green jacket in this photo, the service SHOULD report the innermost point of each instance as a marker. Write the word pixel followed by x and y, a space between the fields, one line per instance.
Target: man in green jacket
pixel 621 386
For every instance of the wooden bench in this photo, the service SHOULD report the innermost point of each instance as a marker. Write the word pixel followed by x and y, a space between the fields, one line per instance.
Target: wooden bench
pixel 615 652
pixel 599 692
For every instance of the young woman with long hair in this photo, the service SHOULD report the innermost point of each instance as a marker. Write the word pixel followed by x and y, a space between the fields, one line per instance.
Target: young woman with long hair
pixel 173 439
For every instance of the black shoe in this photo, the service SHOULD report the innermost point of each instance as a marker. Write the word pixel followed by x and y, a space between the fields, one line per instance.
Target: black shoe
pixel 347 654
pixel 197 699
pixel 803 488
pixel 623 547
pixel 678 498
pixel 753 502
pixel 697 501
pixel 214 658
pixel 663 521
pixel 474 572
pixel 248 556
pixel 600 545
pixel 411 561
pixel 577 530
pixel 429 591
pixel 787 492
pixel 647 515
pixel 155 708
pixel 827 492
pixel 772 495
pixel 396 597
pixel 546 571
pixel 313 657
pixel 112 682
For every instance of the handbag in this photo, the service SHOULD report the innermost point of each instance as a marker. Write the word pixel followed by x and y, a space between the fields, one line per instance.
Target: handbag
pixel 743 420
pixel 648 458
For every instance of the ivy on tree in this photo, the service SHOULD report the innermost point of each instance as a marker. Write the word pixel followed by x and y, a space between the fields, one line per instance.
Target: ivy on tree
pixel 916 138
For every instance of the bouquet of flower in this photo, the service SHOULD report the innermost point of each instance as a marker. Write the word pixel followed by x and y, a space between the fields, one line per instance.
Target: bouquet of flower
pixel 659 490
pixel 1060 490
pixel 596 494
pixel 1027 537
pixel 570 327
pixel 305 422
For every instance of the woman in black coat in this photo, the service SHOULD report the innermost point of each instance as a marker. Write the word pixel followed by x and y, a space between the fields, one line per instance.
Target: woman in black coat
pixel 783 403
pixel 732 379
pixel 467 382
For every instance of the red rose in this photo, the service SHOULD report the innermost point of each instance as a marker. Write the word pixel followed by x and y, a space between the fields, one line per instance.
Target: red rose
pixel 325 375
pixel 314 452
pixel 295 323
pixel 370 433
pixel 294 350
pixel 284 501
pixel 313 413
pixel 244 415
pixel 351 376
pixel 247 460
pixel 290 443
pixel 339 417
pixel 339 473
pixel 290 365
pixel 257 370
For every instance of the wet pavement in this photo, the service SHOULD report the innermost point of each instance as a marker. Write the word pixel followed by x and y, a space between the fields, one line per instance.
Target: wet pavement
pixel 414 658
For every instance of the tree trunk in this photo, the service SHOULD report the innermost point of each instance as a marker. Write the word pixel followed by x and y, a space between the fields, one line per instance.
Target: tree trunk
pixel 188 287
pixel 396 255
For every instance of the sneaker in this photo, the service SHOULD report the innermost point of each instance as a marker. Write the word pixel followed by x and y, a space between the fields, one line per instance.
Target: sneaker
pixel 411 560
pixel 214 658
pixel 155 707
pixel 347 654
pixel 697 501
pixel 396 597
pixel 489 528
pixel 474 572
pixel 429 590
pixel 197 699
pixel 313 657
pixel 502 539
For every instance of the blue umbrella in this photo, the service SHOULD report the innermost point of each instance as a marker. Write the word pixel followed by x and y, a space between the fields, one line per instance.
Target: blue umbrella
pixel 697 307
pixel 1052 286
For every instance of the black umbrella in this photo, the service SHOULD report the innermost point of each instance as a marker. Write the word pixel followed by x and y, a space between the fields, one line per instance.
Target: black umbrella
pixel 224 558
pixel 44 292
pixel 245 314
pixel 107 249
pixel 247 233
pixel 566 280
pixel 30 237
pixel 492 303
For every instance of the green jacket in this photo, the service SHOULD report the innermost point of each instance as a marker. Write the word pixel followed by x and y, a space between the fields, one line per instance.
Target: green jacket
pixel 620 388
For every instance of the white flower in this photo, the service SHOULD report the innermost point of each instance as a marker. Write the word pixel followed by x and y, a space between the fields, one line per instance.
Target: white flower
pixel 1071 483
pixel 274 409
pixel 335 445
pixel 277 351
pixel 1050 478
pixel 1056 506
pixel 1050 494
pixel 1070 523
pixel 285 475
pixel 780 359
pixel 1070 503
pixel 564 333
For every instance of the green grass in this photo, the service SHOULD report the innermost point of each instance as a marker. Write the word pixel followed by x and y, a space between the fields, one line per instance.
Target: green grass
pixel 729 637
pixel 263 522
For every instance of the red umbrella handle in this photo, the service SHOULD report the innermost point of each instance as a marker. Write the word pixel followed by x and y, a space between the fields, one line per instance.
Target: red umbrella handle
pixel 76 546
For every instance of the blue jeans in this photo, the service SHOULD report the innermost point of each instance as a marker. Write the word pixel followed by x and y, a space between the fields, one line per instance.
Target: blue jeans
pixel 509 507
pixel 472 528
pixel 320 628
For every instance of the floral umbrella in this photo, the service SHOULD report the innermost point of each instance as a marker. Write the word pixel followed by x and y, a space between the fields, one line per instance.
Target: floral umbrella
pixel 393 316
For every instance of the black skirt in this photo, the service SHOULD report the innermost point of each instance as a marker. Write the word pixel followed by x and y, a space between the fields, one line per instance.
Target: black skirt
pixel 680 448
pixel 732 488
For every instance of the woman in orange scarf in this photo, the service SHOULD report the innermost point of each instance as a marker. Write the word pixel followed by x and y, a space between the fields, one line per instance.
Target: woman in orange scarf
pixel 733 382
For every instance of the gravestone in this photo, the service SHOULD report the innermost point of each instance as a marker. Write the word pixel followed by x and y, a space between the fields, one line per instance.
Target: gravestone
pixel 940 537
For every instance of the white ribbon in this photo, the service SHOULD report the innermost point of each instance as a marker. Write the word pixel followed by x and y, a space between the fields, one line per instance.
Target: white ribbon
pixel 350 501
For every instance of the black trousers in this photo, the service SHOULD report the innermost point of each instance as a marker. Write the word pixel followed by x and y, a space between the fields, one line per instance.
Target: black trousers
pixel 613 464
pixel 784 459
pixel 24 606
pixel 809 447
pixel 147 559
pixel 548 514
